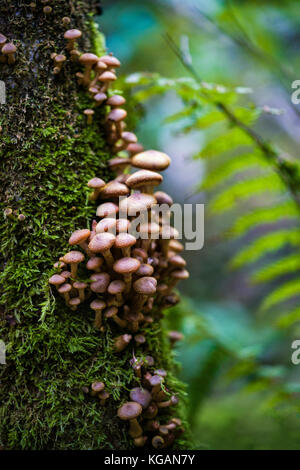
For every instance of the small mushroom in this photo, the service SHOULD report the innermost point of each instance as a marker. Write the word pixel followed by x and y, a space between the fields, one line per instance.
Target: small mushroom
pixel 110 61
pixel 116 288
pixel 165 404
pixel 80 286
pixel 94 264
pixel 112 312
pixel 130 411
pixel 114 190
pixel 64 290
pixel 99 97
pixel 99 69
pixel 59 60
pixel 157 442
pixel 80 237
pixel 101 243
pixel 71 36
pixel 141 396
pixel 103 396
pixel 119 164
pixel 106 78
pixel 126 266
pixel 121 342
pixel 116 101
pixel 140 441
pixel 97 387
pixel 74 302
pixel 116 116
pixel 100 282
pixel 108 224
pixel 89 113
pixel 145 180
pixel 107 209
pixel 125 241
pixel 73 258
pixel 98 305
pixel 88 60
pixel 151 160
pixel 96 184
pixel 144 287
pixel 9 50
pixel 133 149
pixel 57 280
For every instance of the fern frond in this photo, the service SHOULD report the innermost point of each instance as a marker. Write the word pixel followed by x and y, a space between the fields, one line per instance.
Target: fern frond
pixel 264 245
pixel 287 265
pixel 243 190
pixel 288 319
pixel 228 141
pixel 282 293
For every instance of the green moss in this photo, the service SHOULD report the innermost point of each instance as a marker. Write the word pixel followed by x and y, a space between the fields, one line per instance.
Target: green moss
pixel 47 155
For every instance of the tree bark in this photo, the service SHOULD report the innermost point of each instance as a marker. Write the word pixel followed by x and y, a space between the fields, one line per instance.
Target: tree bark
pixel 47 155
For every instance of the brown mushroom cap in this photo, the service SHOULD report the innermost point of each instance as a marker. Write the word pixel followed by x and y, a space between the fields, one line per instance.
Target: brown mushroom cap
pixel 123 225
pixel 110 61
pixel 107 209
pixel 97 304
pixel 65 288
pixel 100 97
pixel 94 263
pixel 97 387
pixel 163 198
pixel 117 115
pixel 116 100
pixel 145 285
pixel 118 163
pixel 137 202
pixel 59 58
pixel 79 236
pixel 56 280
pixel 177 261
pixel 133 149
pixel 80 285
pixel 73 257
pixel 124 240
pixel 88 59
pixel 72 34
pixel 8 48
pixel 176 246
pixel 100 65
pixel 126 265
pixel 145 270
pixel 3 39
pixel 114 189
pixel 116 287
pixel 144 177
pixel 141 396
pixel 101 242
pixel 100 282
pixel 107 76
pixel 151 160
pixel 180 274
pixel 129 137
pixel 111 312
pixel 150 230
pixel 105 225
pixel 89 112
pixel 130 410
pixel 96 183
pixel 74 301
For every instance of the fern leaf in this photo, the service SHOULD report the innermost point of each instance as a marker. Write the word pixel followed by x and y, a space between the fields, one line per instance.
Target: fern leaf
pixel 264 245
pixel 288 319
pixel 287 265
pixel 228 141
pixel 282 293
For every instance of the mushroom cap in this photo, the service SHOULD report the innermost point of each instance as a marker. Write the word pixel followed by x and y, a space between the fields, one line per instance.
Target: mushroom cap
pixel 114 189
pixel 124 240
pixel 129 137
pixel 141 396
pixel 66 274
pixel 140 339
pixel 103 395
pixel 145 285
pixel 72 34
pixel 8 48
pixel 75 301
pixel 140 253
pixel 117 115
pixel 111 312
pixel 157 442
pixel 180 274
pixel 176 246
pixel 137 202
pixel 162 287
pixel 116 287
pixel 97 386
pixel 73 257
pixel 107 76
pixel 65 288
pixel 79 236
pixel 118 163
pixel 94 263
pixel 106 209
pixel 100 284
pixel 96 183
pixel 145 270
pixel 89 112
pixel 102 242
pixel 110 60
pixel 175 335
pixel 155 380
pixel 149 360
pixel 100 65
pixel 161 372
pixel 106 224
pixel 151 160
pixel 130 410
pixel 116 100
pixel 163 198
pixel 167 232
pixel 88 58
pixel 150 228
pixel 97 304
pixel 134 148
pixel 100 97
pixel 144 177
pixel 56 279
pixel 177 261
pixel 59 58
pixel 126 265
pixel 3 39
pixel 123 225
pixel 80 285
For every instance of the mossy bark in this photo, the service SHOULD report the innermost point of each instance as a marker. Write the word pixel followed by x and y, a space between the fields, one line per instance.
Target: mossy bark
pixel 47 155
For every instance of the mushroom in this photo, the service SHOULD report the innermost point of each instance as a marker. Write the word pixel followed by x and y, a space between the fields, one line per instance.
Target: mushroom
pixel 112 312
pixel 80 286
pixel 140 339
pixel 101 243
pixel 110 61
pixel 9 50
pixel 145 270
pixel 125 241
pixel 114 190
pixel 106 78
pixel 71 36
pixel 99 98
pixel 145 180
pixel 116 101
pixel 166 234
pixel 74 55
pixel 118 164
pixel 116 288
pixel 126 266
pixel 144 287
pixel 64 290
pixel 141 396
pixel 99 68
pixel 98 305
pixel 97 387
pixel 151 411
pixel 133 149
pixel 140 441
pixel 74 303
pixel 165 404
pixel 89 113
pixel 176 276
pixel 66 20
pixel 94 264
pixel 107 209
pixel 100 282
pixel 103 396
pixel 73 258
pixel 47 10
pixel 116 116
pixel 163 198
pixel 96 184
pixel 151 160
pixel 136 203
pixel 122 225
pixel 108 224
pixel 59 60
pixel 157 442
pixel 130 411
pixel 88 60
pixel 56 280
pixel 148 232
pixel 120 342
pixel 175 336
pixel 79 237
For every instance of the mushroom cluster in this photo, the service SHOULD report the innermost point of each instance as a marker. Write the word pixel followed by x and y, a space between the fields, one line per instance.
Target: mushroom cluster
pixel 127 263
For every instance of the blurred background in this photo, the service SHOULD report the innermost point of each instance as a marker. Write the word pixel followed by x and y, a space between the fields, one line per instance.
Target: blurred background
pixel 243 391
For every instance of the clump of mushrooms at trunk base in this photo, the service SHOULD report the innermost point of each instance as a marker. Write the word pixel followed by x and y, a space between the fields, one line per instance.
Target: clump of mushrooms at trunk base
pixel 125 276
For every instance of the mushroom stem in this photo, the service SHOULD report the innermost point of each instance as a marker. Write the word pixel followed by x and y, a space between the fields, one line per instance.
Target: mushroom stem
pixel 108 258
pixel 98 318
pixel 135 429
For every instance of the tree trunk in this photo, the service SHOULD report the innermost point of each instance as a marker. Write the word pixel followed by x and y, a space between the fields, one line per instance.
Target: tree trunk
pixel 48 153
